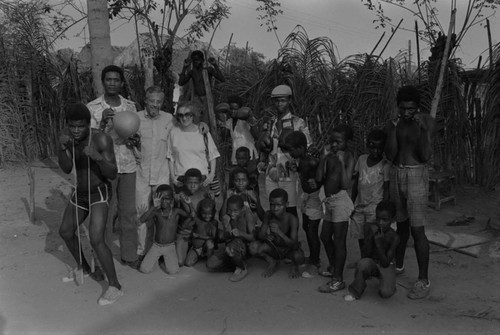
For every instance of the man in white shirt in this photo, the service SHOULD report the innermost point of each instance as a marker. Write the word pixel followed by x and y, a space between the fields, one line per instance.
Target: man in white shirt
pixel 153 169
pixel 281 172
pixel 103 109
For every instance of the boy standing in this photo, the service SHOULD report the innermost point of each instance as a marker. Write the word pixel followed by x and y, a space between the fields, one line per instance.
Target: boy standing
pixel 335 173
pixel 312 208
pixel 371 184
pixel 409 147
pixel 237 231
pixel 165 219
pixel 278 236
pixel 377 254
pixel 91 155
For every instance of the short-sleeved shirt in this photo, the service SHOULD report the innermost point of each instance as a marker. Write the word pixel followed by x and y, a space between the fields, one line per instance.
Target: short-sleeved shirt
pixel 241 136
pixel 125 158
pixel 153 166
pixel 371 181
pixel 187 150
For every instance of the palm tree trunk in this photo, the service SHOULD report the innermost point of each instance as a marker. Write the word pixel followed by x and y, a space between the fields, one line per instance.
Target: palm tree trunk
pixel 100 41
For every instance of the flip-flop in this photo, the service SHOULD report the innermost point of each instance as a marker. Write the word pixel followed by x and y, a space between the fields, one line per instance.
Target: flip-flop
pixel 326 273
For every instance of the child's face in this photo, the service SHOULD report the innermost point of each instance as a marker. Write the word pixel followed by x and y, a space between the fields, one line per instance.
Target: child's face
pixel 167 199
pixel 240 181
pixel 375 149
pixel 407 109
pixel 242 158
pixel 207 214
pixel 278 206
pixel 338 142
pixel 384 220
pixel 296 152
pixel 234 210
pixel 193 184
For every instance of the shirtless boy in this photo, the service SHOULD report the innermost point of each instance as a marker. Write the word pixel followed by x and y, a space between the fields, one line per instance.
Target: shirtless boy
pixel 377 254
pixel 165 219
pixel 335 173
pixel 237 231
pixel 312 209
pixel 204 232
pixel 409 147
pixel 278 236
pixel 92 155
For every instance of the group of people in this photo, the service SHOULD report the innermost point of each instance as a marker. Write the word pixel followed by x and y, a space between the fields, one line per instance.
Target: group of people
pixel 159 187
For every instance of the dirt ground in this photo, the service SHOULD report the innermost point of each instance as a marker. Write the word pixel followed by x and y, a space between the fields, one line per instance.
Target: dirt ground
pixel 464 299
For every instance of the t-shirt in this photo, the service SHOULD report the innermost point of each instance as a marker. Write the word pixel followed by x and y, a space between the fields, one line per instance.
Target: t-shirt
pixel 241 136
pixel 187 150
pixel 371 181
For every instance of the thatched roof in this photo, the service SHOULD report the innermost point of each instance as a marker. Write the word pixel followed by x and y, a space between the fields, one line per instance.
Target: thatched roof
pixel 84 55
pixel 130 54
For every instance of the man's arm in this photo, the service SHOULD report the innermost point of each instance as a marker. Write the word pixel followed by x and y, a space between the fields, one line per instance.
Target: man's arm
pixel 64 154
pixel 354 193
pixel 146 217
pixel 322 168
pixel 183 77
pixel 391 145
pixel 102 152
pixel 427 125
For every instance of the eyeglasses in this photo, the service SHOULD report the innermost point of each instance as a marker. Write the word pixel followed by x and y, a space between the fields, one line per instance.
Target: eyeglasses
pixel 184 115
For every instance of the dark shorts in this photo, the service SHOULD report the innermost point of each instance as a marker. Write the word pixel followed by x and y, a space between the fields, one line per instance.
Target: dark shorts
pixel 98 195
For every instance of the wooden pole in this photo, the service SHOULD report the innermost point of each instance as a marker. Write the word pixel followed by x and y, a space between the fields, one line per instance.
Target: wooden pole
pixel 490 45
pixel 390 38
pixel 444 61
pixel 409 57
pixel 456 250
pixel 246 51
pixel 376 45
pixel 418 50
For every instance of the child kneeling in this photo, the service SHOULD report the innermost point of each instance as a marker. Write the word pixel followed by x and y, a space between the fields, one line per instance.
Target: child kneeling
pixel 165 219
pixel 377 254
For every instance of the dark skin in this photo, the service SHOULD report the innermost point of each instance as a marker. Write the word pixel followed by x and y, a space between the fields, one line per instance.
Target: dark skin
pixel 335 173
pixel 409 142
pixel 205 227
pixel 196 74
pixel 243 161
pixel 240 181
pixel 112 84
pixel 96 150
pixel 381 239
pixel 307 169
pixel 280 228
pixel 164 217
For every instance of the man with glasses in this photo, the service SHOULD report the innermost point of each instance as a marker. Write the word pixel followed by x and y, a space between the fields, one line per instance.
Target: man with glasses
pixel 409 147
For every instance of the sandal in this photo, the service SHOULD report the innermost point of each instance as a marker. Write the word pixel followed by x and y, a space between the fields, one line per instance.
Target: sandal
pixel 326 273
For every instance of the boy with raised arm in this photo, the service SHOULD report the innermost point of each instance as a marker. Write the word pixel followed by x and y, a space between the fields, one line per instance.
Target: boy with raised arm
pixel 165 219
pixel 91 154
pixel 377 255
pixel 409 147
pixel 335 173
pixel 278 237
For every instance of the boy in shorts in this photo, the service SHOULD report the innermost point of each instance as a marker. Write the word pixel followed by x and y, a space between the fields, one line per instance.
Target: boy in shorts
pixel 204 232
pixel 335 173
pixel 371 184
pixel 312 208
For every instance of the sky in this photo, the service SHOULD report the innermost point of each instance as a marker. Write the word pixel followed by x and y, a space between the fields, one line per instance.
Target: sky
pixel 348 23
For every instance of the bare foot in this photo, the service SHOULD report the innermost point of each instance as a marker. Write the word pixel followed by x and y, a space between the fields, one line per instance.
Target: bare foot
pixel 294 272
pixel 271 268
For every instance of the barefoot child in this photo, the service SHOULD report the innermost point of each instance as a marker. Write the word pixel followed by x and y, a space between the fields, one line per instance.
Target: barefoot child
pixel 335 173
pixel 371 184
pixel 193 189
pixel 165 219
pixel 250 165
pixel 91 154
pixel 312 208
pixel 377 255
pixel 251 200
pixel 278 236
pixel 237 231
pixel 409 147
pixel 204 232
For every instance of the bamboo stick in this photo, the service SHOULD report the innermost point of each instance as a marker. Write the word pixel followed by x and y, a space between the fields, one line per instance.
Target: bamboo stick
pixel 444 61
pixel 376 45
pixel 227 51
pixel 418 50
pixel 490 45
pixel 465 246
pixel 389 40
pixel 456 250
